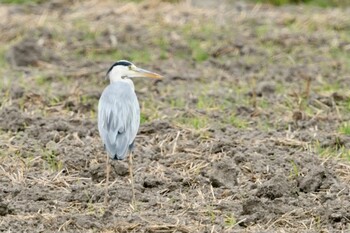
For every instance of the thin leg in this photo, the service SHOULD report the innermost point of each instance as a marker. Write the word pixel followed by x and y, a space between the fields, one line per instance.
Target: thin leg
pixel 131 179
pixel 107 181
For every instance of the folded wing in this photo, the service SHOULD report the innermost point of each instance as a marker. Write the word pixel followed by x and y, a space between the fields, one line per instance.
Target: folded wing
pixel 118 118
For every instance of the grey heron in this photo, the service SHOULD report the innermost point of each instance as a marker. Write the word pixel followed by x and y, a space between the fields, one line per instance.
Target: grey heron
pixel 119 114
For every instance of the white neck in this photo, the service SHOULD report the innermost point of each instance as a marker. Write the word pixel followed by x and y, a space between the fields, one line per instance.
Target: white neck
pixel 126 80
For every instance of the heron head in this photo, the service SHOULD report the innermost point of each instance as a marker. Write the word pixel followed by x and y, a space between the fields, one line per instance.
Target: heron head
pixel 124 69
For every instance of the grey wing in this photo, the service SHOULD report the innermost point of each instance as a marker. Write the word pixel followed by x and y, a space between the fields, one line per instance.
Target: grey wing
pixel 118 119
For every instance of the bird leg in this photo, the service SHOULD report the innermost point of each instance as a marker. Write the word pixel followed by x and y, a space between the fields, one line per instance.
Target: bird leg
pixel 107 181
pixel 131 179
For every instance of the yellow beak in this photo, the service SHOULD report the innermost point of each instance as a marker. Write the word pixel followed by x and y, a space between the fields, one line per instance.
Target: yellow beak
pixel 141 73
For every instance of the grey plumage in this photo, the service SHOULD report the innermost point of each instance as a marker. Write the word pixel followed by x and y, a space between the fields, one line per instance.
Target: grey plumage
pixel 119 114
pixel 118 118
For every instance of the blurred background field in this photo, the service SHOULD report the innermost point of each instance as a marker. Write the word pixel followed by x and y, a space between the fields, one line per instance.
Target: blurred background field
pixel 320 3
